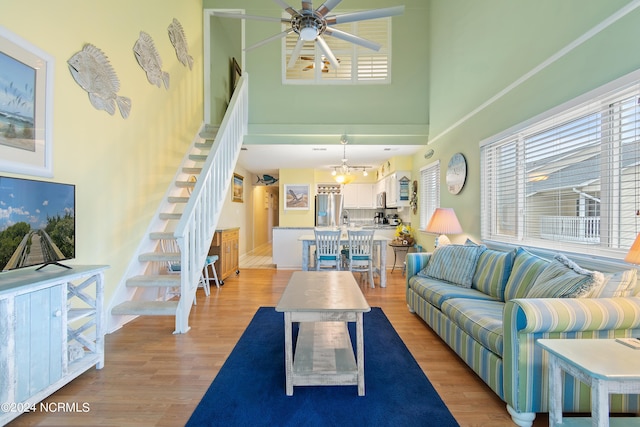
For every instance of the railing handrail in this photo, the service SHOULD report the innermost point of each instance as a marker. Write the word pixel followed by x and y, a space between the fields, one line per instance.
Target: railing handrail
pixel 585 229
pixel 200 217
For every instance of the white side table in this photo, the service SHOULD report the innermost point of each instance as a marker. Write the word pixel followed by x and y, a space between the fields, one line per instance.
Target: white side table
pixel 606 366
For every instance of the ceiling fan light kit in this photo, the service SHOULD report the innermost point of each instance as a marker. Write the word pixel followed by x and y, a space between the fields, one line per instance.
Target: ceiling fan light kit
pixel 311 25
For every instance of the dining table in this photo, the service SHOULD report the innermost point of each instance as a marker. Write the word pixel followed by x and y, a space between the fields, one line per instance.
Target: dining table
pixel 379 253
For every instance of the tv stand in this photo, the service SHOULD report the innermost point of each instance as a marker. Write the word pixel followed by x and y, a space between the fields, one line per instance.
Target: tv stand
pixel 53 263
pixel 52 322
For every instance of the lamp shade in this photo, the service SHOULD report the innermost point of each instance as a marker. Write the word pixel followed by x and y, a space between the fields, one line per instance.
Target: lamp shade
pixel 444 221
pixel 345 179
pixel 633 256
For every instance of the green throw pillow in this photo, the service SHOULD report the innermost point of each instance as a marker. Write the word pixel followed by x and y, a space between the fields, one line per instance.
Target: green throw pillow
pixel 564 278
pixel 453 263
pixel 526 268
pixel 492 272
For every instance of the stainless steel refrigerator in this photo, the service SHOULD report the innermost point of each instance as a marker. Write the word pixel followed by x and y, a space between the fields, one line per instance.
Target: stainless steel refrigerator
pixel 328 210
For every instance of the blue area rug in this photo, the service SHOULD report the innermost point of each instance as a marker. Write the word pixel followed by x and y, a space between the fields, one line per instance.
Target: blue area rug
pixel 249 390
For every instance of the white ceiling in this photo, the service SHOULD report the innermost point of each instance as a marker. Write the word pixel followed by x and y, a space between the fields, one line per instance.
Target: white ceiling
pixel 268 159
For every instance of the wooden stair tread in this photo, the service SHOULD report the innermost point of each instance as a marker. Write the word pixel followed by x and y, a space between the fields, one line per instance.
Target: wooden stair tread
pixel 170 215
pixel 155 280
pixel 161 235
pixel 148 308
pixel 192 170
pixel 160 256
pixel 178 199
pixel 198 157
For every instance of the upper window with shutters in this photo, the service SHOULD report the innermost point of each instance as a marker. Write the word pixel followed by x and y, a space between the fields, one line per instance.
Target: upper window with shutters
pixel 358 64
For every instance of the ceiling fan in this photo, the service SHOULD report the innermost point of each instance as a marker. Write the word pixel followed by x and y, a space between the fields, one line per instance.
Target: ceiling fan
pixel 313 24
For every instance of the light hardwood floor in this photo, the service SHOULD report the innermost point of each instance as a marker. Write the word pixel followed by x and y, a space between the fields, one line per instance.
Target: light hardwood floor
pixel 154 378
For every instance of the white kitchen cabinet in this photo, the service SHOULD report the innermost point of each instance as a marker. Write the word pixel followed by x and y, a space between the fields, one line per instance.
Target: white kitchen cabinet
pixel 358 196
pixel 366 196
pixel 51 324
pixel 349 196
pixel 398 186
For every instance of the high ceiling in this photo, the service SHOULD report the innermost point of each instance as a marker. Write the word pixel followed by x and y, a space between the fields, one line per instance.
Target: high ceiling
pixel 268 159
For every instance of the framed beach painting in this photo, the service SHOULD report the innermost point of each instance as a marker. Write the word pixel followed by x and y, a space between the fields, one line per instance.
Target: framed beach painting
pixel 26 107
pixel 296 196
pixel 237 187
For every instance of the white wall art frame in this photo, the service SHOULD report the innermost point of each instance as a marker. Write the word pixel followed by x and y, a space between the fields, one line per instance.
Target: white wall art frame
pixel 26 107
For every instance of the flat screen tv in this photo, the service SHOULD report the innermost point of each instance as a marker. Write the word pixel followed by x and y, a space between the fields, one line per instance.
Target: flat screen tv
pixel 37 223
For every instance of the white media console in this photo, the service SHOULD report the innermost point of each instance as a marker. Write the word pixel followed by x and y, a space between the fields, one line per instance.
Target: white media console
pixel 51 331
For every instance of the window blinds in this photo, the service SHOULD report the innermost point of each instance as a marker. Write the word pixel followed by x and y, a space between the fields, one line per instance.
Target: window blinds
pixel 570 181
pixel 429 192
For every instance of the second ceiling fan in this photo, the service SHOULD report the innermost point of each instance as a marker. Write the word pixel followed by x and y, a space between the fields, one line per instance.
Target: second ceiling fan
pixel 313 24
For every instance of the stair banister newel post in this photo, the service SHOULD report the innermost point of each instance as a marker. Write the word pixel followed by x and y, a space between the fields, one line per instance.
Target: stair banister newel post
pixel 202 212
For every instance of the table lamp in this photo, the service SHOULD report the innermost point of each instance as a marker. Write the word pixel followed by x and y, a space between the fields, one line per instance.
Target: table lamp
pixel 633 256
pixel 443 221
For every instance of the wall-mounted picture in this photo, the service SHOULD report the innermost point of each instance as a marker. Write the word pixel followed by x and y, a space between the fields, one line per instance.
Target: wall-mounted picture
pixel 26 104
pixel 236 73
pixel 237 188
pixel 296 197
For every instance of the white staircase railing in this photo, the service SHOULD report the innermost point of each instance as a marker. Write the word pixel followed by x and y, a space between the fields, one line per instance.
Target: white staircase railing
pixel 200 217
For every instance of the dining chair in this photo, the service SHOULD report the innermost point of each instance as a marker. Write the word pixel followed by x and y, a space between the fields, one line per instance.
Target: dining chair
pixel 327 248
pixel 360 253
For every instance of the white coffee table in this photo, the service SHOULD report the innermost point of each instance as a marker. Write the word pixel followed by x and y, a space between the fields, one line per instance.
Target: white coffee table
pixel 323 302
pixel 605 365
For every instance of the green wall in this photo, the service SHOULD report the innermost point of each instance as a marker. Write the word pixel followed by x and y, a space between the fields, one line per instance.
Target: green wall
pixel 382 114
pixel 479 49
pixel 226 35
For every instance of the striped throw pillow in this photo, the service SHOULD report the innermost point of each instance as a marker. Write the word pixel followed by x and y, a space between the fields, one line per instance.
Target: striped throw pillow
pixel 563 278
pixel 526 268
pixel 453 263
pixel 620 284
pixel 493 272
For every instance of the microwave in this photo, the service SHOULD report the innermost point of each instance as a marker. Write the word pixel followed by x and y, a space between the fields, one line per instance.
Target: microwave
pixel 381 200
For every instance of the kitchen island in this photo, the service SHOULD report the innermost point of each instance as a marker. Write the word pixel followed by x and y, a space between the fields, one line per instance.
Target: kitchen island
pixel 287 248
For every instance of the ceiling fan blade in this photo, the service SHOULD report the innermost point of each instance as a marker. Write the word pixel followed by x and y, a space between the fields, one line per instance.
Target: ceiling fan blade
pixel 283 4
pixel 255 17
pixel 295 53
pixel 270 39
pixel 307 5
pixel 326 50
pixel 327 7
pixel 352 39
pixel 365 14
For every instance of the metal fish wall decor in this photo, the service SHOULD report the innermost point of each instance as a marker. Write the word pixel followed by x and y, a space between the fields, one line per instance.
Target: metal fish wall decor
pixel 91 69
pixel 179 42
pixel 149 59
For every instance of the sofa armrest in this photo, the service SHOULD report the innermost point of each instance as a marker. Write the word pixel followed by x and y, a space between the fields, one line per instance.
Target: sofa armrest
pixel 527 320
pixel 416 261
pixel 549 315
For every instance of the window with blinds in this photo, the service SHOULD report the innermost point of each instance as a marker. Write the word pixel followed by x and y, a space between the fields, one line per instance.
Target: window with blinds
pixel 358 65
pixel 429 192
pixel 570 181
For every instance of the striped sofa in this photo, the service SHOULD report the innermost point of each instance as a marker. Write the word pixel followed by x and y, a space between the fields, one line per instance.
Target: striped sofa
pixel 490 306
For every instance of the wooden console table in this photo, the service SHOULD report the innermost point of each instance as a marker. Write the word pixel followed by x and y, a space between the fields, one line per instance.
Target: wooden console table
pixel 52 328
pixel 225 244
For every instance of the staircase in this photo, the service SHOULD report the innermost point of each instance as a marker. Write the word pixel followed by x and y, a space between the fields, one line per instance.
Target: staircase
pixel 189 215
